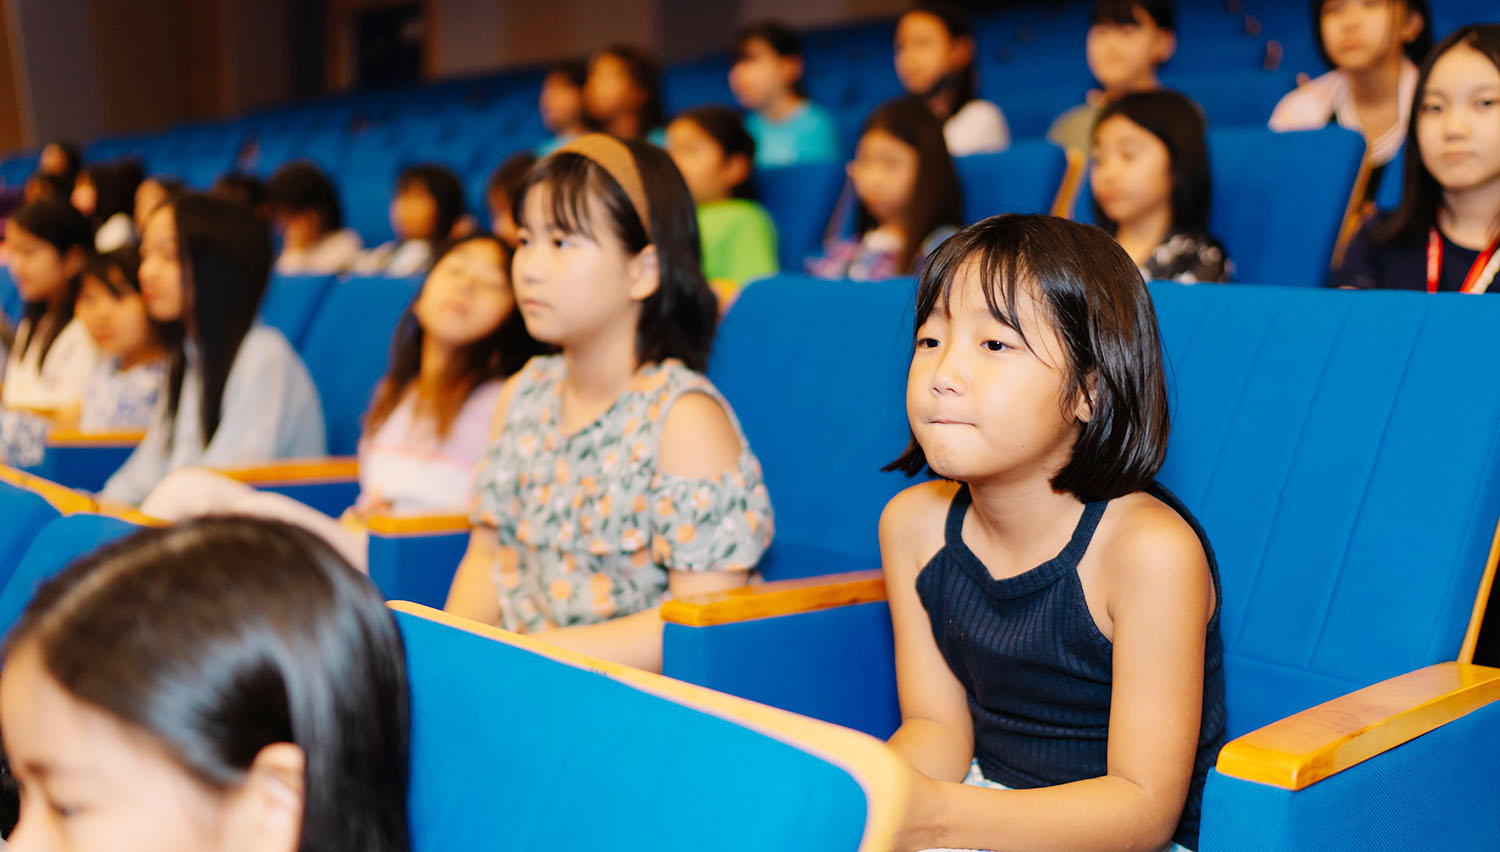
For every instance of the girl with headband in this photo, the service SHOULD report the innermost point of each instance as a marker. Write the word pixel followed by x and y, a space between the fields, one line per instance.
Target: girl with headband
pixel 616 474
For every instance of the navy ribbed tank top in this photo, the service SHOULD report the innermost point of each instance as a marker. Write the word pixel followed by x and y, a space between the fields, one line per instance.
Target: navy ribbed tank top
pixel 1036 668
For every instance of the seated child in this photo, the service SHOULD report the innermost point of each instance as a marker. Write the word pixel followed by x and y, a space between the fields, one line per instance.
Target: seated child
pixel 716 156
pixel 500 195
pixel 908 196
pixel 1055 609
pixel 1151 186
pixel 427 426
pixel 1445 236
pixel 306 212
pixel 561 104
pixel 425 212
pixel 242 188
pixel 1127 41
pixel 236 391
pixel 766 79
pixel 622 94
pixel 122 391
pixel 153 192
pixel 1373 47
pixel 935 61
pixel 217 685
pixel 105 193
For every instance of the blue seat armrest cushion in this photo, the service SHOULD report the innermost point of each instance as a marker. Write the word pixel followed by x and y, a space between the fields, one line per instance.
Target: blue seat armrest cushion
pixel 414 558
pixel 329 485
pixel 1434 791
pixel 86 460
pixel 821 647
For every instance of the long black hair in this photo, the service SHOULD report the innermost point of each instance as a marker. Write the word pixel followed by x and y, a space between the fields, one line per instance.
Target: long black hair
pixel 1416 50
pixel 66 230
pixel 497 355
pixel 1174 119
pixel 1421 194
pixel 937 196
pixel 225 256
pixel 1089 290
pixel 218 637
pixel 679 319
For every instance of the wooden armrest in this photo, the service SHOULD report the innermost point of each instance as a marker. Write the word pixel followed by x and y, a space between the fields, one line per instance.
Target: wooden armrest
pixel 293 471
pixel 398 525
pixel 112 438
pixel 1067 190
pixel 782 597
pixel 1301 750
pixel 65 500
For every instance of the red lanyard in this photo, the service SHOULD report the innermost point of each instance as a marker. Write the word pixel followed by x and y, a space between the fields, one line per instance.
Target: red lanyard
pixel 1480 274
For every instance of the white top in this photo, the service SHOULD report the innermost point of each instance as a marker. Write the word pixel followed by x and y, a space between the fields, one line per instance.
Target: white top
pixel 270 411
pixel 59 383
pixel 977 128
pixel 406 464
pixel 1328 98
pixel 398 260
pixel 334 253
pixel 117 231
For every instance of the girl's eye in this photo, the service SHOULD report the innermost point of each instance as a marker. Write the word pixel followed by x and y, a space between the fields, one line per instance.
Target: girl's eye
pixel 1431 108
pixel 1486 103
pixel 995 346
pixel 927 343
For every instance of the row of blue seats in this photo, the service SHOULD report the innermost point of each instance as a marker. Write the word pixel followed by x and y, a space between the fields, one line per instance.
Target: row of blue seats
pixel 1343 468
pixel 557 733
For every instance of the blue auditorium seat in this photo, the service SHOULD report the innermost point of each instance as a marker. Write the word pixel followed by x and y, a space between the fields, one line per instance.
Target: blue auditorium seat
pixel 25 513
pixel 10 297
pixel 800 199
pixel 1023 178
pixel 512 749
pixel 1345 471
pixel 346 349
pixel 57 544
pixel 1241 97
pixel 291 302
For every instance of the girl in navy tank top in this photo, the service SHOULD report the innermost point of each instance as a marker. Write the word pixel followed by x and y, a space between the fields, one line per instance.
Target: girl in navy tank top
pixel 1056 612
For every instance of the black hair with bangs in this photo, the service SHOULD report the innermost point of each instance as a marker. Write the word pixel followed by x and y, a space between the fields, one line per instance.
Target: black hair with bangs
pixel 679 319
pixel 1089 290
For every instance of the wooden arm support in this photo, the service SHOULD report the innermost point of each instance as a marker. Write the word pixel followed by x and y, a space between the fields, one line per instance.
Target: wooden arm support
pixel 782 597
pixel 413 525
pixel 75 438
pixel 1319 742
pixel 295 471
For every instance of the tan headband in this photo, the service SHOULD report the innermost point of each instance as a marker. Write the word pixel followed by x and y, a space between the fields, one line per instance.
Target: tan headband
pixel 615 158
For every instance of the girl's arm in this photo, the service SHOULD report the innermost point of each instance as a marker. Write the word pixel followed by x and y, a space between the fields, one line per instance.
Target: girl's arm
pixel 473 593
pixel 937 733
pixel 697 441
pixel 1159 597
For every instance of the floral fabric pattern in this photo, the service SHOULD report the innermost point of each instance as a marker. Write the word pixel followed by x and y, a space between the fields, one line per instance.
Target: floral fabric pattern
pixel 1188 258
pixel 112 400
pixel 588 527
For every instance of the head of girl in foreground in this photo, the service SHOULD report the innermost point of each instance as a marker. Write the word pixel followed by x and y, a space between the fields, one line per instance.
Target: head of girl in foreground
pixel 110 306
pixel 714 152
pixel 205 263
pixel 1358 35
pixel 609 230
pixel 903 175
pixel 466 315
pixel 1453 141
pixel 1036 354
pixel 221 684
pixel 1150 155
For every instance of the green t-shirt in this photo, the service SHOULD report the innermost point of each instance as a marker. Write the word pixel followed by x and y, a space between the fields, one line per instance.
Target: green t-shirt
pixel 739 241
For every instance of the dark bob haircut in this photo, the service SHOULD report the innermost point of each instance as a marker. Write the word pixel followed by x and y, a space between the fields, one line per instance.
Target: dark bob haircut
pixel 1416 50
pixel 724 126
pixel 679 319
pixel 1421 195
pixel 1178 123
pixel 1122 12
pixel 217 637
pixel 438 181
pixel 1088 289
pixel 302 187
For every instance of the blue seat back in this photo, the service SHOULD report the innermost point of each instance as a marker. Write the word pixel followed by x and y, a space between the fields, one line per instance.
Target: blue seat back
pixel 1023 178
pixel 800 199
pixel 1234 97
pixel 822 415
pixel 1392 182
pixel 10 296
pixel 1343 452
pixel 502 736
pixel 346 349
pixel 291 301
pixel 25 513
pixel 1279 200
pixel 56 545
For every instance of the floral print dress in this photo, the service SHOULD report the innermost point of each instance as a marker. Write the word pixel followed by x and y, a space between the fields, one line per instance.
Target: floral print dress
pixel 588 527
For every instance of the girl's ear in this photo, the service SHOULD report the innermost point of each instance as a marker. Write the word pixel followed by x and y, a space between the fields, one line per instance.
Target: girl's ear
pixel 1412 26
pixel 1165 47
pixel 961 53
pixel 791 69
pixel 644 272
pixel 1083 407
pixel 265 811
pixel 72 262
pixel 737 169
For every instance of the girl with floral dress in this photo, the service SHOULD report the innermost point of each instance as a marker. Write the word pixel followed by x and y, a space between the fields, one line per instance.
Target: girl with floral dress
pixel 617 474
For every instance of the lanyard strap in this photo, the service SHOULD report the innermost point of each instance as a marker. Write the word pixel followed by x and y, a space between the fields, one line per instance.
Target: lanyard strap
pixel 1480 274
